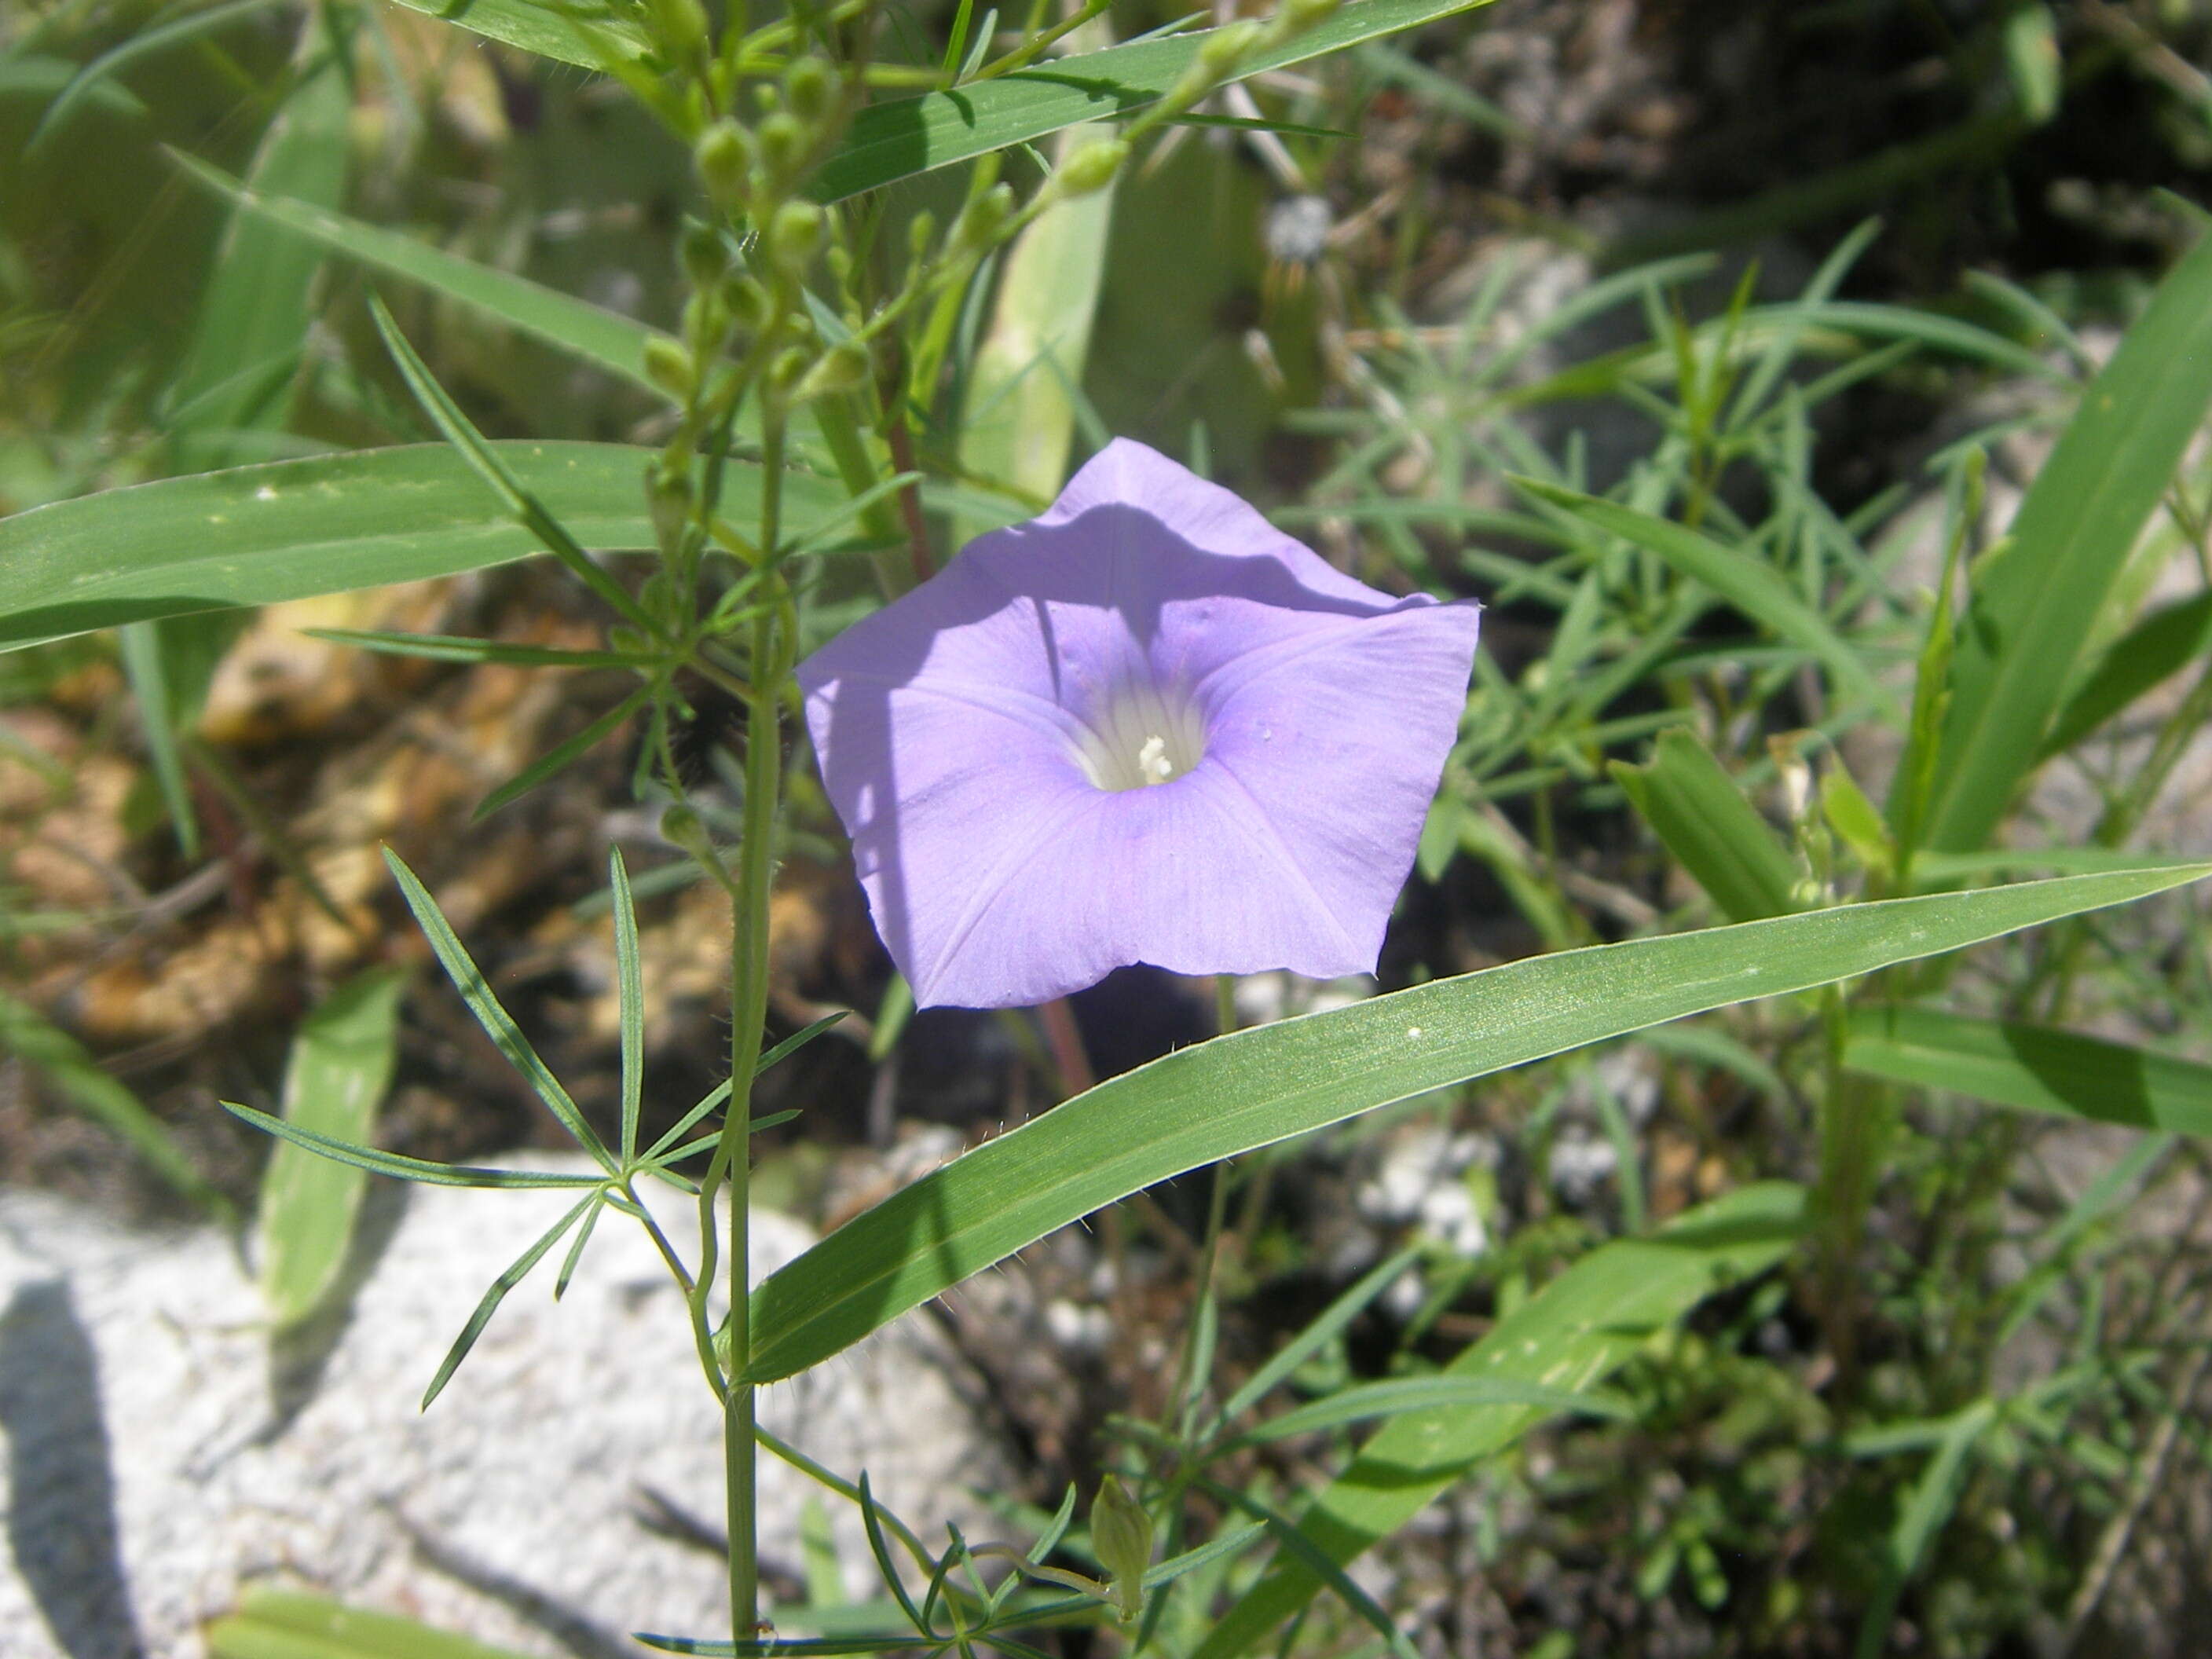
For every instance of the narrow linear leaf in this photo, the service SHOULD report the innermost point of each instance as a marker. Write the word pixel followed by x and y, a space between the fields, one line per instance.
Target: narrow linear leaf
pixel 905 136
pixel 147 43
pixel 1226 1097
pixel 2033 1067
pixel 529 512
pixel 1370 1401
pixel 1749 584
pixel 468 979
pixel 564 755
pixel 1333 1319
pixel 65 1063
pixel 630 996
pixel 460 647
pixel 2031 612
pixel 2155 648
pixel 576 1248
pixel 506 1281
pixel 1934 1497
pixel 335 1081
pixel 1308 1555
pixel 1569 1336
pixel 399 1167
pixel 607 339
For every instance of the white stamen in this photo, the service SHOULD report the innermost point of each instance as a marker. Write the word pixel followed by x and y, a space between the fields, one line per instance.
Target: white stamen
pixel 1140 736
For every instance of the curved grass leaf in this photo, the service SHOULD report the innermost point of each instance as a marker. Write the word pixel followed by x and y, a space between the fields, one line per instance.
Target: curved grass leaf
pixel 255 535
pixel 335 1079
pixel 2033 1067
pixel 1250 1088
pixel 1567 1337
pixel 614 342
pixel 147 43
pixel 2031 609
pixel 905 136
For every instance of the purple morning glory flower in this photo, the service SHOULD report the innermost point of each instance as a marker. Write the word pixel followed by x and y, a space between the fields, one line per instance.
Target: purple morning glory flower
pixel 1148 726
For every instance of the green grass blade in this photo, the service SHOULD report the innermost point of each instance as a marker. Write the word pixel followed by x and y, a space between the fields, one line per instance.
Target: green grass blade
pixel 563 755
pixel 2031 610
pixel 1569 1336
pixel 1226 1097
pixel 422 1171
pixel 1718 835
pixel 147 43
pixel 461 647
pixel 897 139
pixel 1394 1398
pixel 1749 584
pixel 528 512
pixel 280 1624
pixel 255 535
pixel 1934 1497
pixel 64 1062
pixel 340 1065
pixel 2031 1068
pixel 468 979
pixel 1332 1320
pixel 149 677
pixel 257 309
pixel 629 989
pixel 506 1281
pixel 607 339
pixel 2155 648
pixel 588 33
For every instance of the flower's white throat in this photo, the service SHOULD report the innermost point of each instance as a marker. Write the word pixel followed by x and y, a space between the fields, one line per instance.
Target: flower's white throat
pixel 1140 735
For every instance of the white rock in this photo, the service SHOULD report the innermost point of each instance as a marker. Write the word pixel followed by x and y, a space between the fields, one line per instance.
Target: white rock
pixel 157 1459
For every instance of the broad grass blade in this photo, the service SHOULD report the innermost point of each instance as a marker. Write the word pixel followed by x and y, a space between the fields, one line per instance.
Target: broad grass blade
pixel 1399 1395
pixel 1715 835
pixel 607 339
pixel 255 535
pixel 1570 1335
pixel 1226 1097
pixel 897 139
pixel 2032 609
pixel 280 1624
pixel 341 1065
pixel 2031 1068
pixel 2161 645
pixel 589 33
pixel 63 1060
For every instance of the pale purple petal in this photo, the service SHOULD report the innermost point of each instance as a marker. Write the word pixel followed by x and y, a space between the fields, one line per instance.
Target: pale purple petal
pixel 977 739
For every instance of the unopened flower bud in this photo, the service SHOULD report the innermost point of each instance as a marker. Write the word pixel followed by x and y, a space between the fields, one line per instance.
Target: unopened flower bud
pixel 1091 168
pixel 682 24
pixel 807 87
pixel 669 367
pixel 1221 53
pixel 1296 17
pixel 977 228
pixel 920 230
pixel 703 256
pixel 706 321
pixel 782 144
pixel 795 236
pixel 724 156
pixel 789 369
pixel 746 300
pixel 680 828
pixel 840 369
pixel 668 497
pixel 1121 1539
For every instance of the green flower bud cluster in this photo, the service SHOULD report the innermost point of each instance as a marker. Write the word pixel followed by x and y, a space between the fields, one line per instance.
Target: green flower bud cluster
pixel 1091 168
